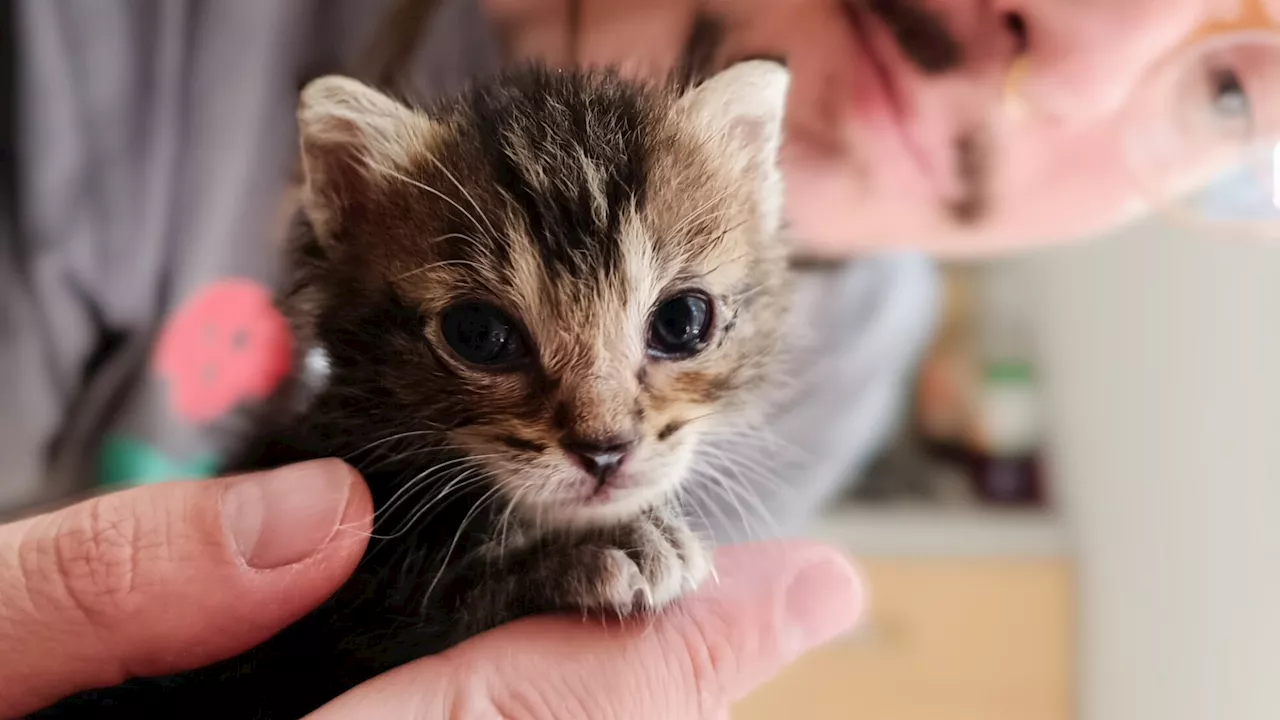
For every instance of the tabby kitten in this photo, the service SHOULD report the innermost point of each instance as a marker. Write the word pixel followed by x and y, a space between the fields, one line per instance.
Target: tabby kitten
pixel 521 309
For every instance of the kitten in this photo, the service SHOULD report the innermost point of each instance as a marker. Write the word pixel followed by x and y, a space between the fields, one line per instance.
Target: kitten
pixel 521 310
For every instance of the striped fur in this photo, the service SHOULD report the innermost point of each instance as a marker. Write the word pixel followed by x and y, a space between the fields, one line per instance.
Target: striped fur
pixel 576 202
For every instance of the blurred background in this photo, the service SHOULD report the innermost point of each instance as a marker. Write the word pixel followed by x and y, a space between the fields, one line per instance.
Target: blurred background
pixel 1076 517
pixel 1092 439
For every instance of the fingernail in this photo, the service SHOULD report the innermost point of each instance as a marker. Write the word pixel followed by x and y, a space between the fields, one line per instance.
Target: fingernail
pixel 285 516
pixel 822 602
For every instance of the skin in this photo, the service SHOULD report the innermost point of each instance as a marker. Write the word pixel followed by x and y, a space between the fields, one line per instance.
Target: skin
pixel 1054 171
pixel 88 595
pixel 169 577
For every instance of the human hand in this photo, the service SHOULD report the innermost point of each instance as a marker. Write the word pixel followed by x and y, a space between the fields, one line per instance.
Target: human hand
pixel 772 603
pixel 171 577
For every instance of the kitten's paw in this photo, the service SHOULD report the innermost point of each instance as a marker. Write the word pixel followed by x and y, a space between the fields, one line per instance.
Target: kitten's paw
pixel 622 585
pixel 653 565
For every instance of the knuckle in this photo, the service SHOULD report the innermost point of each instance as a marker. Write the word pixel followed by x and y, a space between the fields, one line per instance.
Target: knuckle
pixel 95 559
pixel 525 685
pixel 475 689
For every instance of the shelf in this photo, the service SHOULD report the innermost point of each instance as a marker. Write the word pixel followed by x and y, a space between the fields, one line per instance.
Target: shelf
pixel 926 532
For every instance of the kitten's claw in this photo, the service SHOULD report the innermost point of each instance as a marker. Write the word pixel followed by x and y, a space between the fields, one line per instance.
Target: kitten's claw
pixel 623 587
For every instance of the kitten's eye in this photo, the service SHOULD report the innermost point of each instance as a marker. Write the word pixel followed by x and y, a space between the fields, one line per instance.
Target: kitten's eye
pixel 680 326
pixel 482 334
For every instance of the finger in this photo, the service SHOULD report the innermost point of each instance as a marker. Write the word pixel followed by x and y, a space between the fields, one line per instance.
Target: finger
pixel 169 577
pixel 773 603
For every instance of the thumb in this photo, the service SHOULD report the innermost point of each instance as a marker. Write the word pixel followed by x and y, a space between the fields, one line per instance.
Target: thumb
pixel 169 577
pixel 773 603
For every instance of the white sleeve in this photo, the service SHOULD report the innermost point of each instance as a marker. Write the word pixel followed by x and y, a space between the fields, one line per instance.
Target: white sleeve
pixel 858 332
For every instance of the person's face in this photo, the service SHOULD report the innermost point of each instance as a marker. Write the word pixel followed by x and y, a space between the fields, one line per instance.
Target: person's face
pixel 903 133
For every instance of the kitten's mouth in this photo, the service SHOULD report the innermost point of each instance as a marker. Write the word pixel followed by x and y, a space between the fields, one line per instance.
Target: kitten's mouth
pixel 603 495
pixel 615 490
pixel 586 499
pixel 577 485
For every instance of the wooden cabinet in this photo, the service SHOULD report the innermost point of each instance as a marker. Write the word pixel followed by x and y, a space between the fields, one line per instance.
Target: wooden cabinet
pixel 945 638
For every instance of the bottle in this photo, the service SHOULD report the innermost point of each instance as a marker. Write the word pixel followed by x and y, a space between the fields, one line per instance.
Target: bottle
pixel 977 404
pixel 1005 464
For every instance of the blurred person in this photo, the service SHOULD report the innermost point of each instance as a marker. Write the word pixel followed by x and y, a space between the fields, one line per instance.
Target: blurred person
pixel 148 149
pixel 151 146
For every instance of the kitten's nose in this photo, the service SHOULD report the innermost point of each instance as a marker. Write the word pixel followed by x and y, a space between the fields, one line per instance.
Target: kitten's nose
pixel 600 458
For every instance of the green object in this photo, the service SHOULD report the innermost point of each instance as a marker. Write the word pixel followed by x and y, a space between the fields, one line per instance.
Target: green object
pixel 1009 372
pixel 125 461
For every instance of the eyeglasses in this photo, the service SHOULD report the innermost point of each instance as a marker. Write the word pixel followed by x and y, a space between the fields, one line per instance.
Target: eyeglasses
pixel 1202 131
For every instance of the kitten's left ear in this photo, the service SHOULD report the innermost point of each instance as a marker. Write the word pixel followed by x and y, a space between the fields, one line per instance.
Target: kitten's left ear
pixel 742 110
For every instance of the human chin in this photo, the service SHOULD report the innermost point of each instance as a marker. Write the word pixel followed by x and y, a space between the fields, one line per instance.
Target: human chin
pixel 852 189
pixel 877 229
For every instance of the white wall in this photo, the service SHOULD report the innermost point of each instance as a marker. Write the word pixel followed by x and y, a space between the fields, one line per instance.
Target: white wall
pixel 1162 359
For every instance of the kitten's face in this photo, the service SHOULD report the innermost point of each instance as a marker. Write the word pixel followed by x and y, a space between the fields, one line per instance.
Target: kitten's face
pixel 569 280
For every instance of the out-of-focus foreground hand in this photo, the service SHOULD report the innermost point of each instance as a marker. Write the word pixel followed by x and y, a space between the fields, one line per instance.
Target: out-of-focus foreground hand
pixel 771 604
pixel 170 577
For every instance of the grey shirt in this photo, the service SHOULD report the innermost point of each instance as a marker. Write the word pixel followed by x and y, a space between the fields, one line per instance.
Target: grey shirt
pixel 156 144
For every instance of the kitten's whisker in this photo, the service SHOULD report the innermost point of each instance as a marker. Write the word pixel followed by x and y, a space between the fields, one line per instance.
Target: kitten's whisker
pixel 765 463
pixel 420 480
pixel 465 479
pixel 745 294
pixel 392 438
pixel 474 243
pixel 423 186
pixel 731 258
pixel 394 457
pixel 743 489
pixel 400 457
pixel 746 432
pixel 704 416
pixel 456 536
pixel 761 463
pixel 764 522
pixel 752 498
pixel 699 498
pixel 722 487
pixel 352 455
pixel 758 472
pixel 694 506
pixel 452 490
pixel 457 485
pixel 493 234
pixel 739 436
pixel 693 216
pixel 442 263
pixel 506 518
pixel 768 480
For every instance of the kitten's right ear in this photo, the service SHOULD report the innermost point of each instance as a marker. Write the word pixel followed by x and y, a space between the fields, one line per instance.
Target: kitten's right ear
pixel 353 138
pixel 743 109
